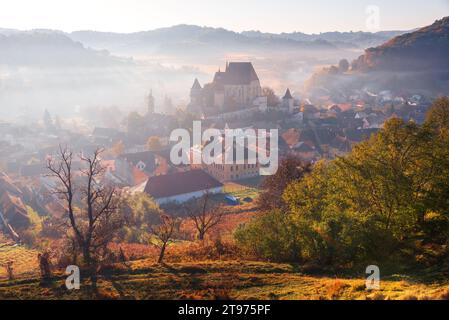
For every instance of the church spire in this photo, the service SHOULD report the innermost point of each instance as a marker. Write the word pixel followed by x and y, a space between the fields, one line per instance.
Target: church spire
pixel 288 95
pixel 150 102
pixel 196 85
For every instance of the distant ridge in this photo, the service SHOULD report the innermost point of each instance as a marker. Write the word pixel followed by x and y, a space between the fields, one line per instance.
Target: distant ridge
pixel 417 61
pixel 49 48
pixel 424 49
pixel 190 38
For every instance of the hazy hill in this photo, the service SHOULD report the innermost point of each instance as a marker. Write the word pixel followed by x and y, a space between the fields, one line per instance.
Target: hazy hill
pixel 424 49
pixel 417 61
pixel 358 39
pixel 189 38
pixel 48 48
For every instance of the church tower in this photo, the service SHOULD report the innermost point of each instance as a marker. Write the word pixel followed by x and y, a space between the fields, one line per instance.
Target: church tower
pixel 288 101
pixel 150 101
pixel 195 93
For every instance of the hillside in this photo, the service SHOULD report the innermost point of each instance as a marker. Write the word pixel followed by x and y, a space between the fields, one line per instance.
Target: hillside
pixel 415 62
pixel 351 39
pixel 239 280
pixel 189 39
pixel 424 49
pixel 49 48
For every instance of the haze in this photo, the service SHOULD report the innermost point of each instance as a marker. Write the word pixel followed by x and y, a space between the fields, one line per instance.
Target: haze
pixel 265 15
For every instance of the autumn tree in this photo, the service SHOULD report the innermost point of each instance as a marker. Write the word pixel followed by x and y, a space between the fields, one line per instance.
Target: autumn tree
pixel 386 201
pixel 438 115
pixel 91 207
pixel 290 169
pixel 44 265
pixel 139 212
pixel 164 233
pixel 204 215
pixel 154 143
pixel 382 197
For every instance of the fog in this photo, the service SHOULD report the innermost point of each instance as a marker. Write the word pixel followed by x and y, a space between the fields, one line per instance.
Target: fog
pixel 72 75
pixel 66 90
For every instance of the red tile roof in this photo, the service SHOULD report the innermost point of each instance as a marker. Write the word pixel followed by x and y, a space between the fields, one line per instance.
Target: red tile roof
pixel 180 183
pixel 291 137
pixel 139 176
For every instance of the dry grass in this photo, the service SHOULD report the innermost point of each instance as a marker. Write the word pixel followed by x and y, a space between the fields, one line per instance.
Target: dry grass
pixel 239 280
pixel 24 260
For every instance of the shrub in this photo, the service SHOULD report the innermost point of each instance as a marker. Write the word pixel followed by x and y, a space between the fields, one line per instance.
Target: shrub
pixel 273 236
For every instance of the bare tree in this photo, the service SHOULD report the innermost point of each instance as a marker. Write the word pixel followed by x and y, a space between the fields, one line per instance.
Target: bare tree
pixel 91 206
pixel 204 215
pixel 272 99
pixel 10 270
pixel 164 232
pixel 44 265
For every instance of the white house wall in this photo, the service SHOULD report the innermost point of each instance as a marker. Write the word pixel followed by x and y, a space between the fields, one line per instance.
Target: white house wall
pixel 187 196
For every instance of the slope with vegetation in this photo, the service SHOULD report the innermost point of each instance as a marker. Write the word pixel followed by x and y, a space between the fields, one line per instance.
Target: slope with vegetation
pixel 240 280
pixel 385 203
pixel 310 235
pixel 415 61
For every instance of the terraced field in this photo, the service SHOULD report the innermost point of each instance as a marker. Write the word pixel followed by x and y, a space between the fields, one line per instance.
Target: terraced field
pixel 24 260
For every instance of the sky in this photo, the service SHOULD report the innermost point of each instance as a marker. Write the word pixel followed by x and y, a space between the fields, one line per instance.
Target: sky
pixel 265 15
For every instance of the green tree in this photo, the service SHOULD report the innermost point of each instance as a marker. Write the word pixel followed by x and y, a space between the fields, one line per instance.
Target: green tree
pixel 380 203
pixel 438 115
pixel 290 169
pixel 273 237
pixel 140 211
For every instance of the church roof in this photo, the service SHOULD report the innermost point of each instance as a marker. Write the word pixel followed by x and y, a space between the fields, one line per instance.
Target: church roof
pixel 288 95
pixel 196 85
pixel 237 73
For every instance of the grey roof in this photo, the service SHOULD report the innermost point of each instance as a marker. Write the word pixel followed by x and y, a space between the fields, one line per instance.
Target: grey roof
pixel 237 73
pixel 180 183
pixel 196 85
pixel 287 95
pixel 146 157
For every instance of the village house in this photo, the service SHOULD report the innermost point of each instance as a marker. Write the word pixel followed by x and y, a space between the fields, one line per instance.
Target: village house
pixel 248 167
pixel 181 187
pixel 231 172
pixel 134 168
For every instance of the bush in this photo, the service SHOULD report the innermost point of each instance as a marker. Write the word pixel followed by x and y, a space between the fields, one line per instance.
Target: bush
pixel 273 236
